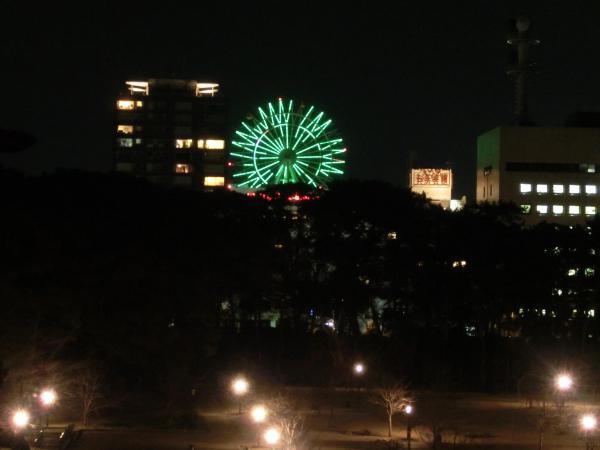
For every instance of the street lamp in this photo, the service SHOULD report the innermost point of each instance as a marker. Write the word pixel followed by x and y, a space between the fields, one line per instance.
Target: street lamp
pixel 240 386
pixel 408 410
pixel 20 419
pixel 258 413
pixel 359 368
pixel 272 436
pixel 563 383
pixel 588 425
pixel 48 399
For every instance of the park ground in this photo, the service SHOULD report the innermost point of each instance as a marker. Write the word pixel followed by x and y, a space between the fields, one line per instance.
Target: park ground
pixel 348 419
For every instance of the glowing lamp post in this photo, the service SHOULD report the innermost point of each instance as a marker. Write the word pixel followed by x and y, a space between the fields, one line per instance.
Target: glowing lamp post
pixel 272 436
pixel 20 419
pixel 48 399
pixel 359 369
pixel 408 410
pixel 588 425
pixel 563 384
pixel 240 388
pixel 259 413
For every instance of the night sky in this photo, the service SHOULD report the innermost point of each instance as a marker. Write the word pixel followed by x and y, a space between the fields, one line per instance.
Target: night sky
pixel 422 76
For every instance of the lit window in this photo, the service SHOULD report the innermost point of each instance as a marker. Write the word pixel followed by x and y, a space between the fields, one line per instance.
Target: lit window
pixel 139 104
pixel 206 89
pixel 589 168
pixel 542 209
pixel 184 143
pixel 574 210
pixel 392 236
pixel 541 188
pixel 525 188
pixel 525 209
pixel 558 188
pixel 591 189
pixel 558 209
pixel 125 129
pixel 572 272
pixel 138 141
pixel 590 210
pixel 589 271
pixel 215 144
pixel 126 104
pixel 125 142
pixel 200 143
pixel 214 181
pixel 574 189
pixel 138 87
pixel 591 313
pixel 183 168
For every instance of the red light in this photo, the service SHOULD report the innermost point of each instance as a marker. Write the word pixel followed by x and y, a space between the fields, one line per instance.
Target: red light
pixel 230 187
pixel 299 198
pixel 229 164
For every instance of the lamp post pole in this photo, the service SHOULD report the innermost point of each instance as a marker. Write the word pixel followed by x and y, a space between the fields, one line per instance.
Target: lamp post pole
pixel 408 410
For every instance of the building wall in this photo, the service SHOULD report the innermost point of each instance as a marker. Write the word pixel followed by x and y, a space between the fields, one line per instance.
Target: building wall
pixel 542 157
pixel 488 166
pixel 166 134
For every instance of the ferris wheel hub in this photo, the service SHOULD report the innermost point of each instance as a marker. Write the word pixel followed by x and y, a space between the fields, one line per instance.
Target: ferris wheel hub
pixel 287 157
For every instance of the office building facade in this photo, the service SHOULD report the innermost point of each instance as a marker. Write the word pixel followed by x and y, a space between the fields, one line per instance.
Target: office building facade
pixel 552 173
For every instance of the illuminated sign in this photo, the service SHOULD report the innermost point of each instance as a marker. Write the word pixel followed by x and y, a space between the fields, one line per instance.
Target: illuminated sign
pixel 431 177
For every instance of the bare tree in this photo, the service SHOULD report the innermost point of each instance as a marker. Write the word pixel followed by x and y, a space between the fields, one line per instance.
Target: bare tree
pixel 289 421
pixel 392 399
pixel 87 389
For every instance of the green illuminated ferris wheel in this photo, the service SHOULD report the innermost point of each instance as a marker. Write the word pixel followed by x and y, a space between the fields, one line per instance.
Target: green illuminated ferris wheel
pixel 284 144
